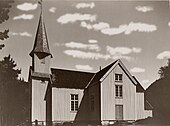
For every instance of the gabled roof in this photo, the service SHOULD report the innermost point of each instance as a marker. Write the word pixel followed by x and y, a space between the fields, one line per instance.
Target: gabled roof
pixel 100 74
pixel 139 87
pixel 70 79
pixel 119 62
pixel 80 80
pixel 41 41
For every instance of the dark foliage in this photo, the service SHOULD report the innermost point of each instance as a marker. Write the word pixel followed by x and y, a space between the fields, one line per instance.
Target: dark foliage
pixel 14 94
pixel 5 5
pixel 158 95
pixel 164 71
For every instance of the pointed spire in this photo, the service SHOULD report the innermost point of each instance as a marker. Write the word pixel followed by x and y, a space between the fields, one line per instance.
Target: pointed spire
pixel 41 42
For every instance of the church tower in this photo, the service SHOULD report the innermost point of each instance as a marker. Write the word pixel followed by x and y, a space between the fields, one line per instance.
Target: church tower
pixel 41 53
pixel 40 76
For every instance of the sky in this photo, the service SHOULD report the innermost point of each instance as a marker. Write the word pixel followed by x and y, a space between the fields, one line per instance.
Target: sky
pixel 84 35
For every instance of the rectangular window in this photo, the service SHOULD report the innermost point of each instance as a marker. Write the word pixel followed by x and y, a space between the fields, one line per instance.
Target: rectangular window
pixel 118 77
pixel 92 103
pixel 74 102
pixel 119 91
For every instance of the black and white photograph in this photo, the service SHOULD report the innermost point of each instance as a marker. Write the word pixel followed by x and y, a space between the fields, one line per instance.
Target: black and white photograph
pixel 84 63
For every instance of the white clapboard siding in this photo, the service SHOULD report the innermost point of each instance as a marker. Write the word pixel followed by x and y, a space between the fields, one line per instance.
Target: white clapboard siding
pixel 38 103
pixel 108 100
pixel 140 106
pixel 40 67
pixel 61 103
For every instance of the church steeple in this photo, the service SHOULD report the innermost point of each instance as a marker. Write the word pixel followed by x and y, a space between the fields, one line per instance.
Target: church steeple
pixel 41 46
pixel 41 52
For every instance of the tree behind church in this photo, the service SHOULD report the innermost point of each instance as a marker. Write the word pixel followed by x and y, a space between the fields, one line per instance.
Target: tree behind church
pixel 14 94
pixel 158 95
pixel 5 5
pixel 164 71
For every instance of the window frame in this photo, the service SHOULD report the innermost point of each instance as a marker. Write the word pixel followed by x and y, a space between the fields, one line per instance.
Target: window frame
pixel 118 77
pixel 74 102
pixel 119 91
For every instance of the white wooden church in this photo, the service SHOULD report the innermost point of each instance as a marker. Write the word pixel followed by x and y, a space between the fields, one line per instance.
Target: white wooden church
pixel 60 95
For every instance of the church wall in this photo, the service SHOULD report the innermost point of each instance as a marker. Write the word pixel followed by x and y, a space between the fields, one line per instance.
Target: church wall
pixel 42 65
pixel 94 113
pixel 109 100
pixel 38 103
pixel 61 104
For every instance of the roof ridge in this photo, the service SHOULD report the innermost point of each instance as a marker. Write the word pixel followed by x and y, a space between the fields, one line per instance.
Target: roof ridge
pixel 72 70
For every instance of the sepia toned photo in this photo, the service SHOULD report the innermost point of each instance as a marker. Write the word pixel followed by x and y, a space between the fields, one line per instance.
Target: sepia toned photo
pixel 84 63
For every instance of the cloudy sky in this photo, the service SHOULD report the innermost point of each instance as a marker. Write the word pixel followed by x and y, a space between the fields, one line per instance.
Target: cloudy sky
pixel 84 35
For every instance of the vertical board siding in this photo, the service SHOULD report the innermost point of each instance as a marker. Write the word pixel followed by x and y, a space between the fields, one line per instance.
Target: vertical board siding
pixel 140 105
pixel 42 68
pixel 38 102
pixel 108 100
pixel 61 103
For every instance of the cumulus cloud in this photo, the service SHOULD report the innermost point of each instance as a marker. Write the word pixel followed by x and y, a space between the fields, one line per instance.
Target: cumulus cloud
pixel 96 27
pixel 24 16
pixel 164 55
pixel 26 34
pixel 92 41
pixel 122 50
pixel 136 50
pixel 85 5
pixel 52 9
pixel 27 6
pixel 82 46
pixel 94 55
pixel 72 18
pixel 137 70
pixel 83 67
pixel 77 45
pixel 140 27
pixel 128 29
pixel 86 55
pixel 144 8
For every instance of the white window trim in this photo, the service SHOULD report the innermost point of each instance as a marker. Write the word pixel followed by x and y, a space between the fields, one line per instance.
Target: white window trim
pixel 119 91
pixel 74 103
pixel 118 80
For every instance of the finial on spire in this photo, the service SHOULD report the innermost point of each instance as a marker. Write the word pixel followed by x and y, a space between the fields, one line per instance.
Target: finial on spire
pixel 40 3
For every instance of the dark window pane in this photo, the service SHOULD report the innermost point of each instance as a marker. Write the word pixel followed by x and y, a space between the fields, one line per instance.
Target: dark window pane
pixel 120 77
pixel 72 105
pixel 72 97
pixel 76 105
pixel 116 76
pixel 76 97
